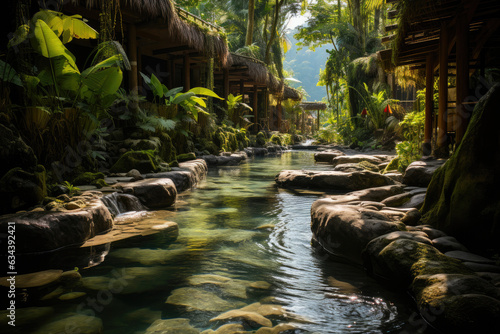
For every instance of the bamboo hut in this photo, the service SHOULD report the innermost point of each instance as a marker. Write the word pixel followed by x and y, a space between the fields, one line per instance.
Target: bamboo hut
pixel 312 106
pixel 448 38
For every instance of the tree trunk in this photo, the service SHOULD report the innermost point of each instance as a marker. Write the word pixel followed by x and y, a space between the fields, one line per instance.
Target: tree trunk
pixel 250 23
pixel 376 20
pixel 273 32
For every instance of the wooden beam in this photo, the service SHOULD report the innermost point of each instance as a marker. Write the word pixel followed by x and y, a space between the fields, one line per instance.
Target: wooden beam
pixel 133 83
pixel 429 104
pixel 172 50
pixel 255 105
pixel 442 137
pixel 187 73
pixel 462 114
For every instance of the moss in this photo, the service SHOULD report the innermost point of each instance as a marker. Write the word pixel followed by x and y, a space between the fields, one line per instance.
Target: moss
pixel 392 166
pixel 186 157
pixel 20 189
pixel 174 163
pixel 167 150
pixel 143 161
pixel 276 139
pixel 368 166
pixel 87 178
pixel 100 183
pixel 261 139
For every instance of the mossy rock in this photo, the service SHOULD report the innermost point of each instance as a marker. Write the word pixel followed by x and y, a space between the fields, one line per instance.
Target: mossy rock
pixel 20 189
pixel 15 152
pixel 276 139
pixel 87 178
pixel 462 198
pixel 392 166
pixel 186 157
pixel 167 150
pixel 143 161
pixel 209 146
pixel 99 183
pixel 368 166
pixel 261 139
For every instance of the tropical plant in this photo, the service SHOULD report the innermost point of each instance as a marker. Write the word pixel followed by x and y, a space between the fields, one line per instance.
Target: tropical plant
pixel 234 106
pixel 413 131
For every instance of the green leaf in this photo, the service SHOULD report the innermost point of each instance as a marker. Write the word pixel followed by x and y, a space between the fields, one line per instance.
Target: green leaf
pixel 104 82
pixel 182 97
pixel 45 42
pixel 8 74
pixel 204 91
pixel 114 60
pixel 156 86
pixel 200 101
pixel 20 35
pixel 173 91
pixel 146 79
pixel 75 27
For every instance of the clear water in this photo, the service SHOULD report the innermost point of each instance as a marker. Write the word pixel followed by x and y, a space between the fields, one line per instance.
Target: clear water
pixel 219 234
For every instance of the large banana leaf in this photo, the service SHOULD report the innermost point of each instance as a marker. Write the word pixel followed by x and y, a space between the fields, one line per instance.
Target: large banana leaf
pixel 156 86
pixel 8 74
pixel 199 100
pixel 68 26
pixel 181 97
pixel 105 82
pixel 114 60
pixel 173 91
pixel 46 42
pixel 67 77
pixel 204 91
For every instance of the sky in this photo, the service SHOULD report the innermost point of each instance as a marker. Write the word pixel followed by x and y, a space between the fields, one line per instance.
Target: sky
pixel 297 21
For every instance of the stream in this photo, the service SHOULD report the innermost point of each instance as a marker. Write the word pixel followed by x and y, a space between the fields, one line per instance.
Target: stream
pixel 241 240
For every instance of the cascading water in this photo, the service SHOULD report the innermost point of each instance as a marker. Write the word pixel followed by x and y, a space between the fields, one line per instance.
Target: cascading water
pixel 118 203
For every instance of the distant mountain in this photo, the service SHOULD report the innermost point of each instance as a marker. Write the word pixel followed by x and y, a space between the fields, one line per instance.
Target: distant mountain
pixel 305 65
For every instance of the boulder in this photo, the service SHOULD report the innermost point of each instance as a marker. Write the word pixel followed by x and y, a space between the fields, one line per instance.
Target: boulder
pixel 457 303
pixel 327 156
pixel 20 189
pixel 419 173
pixel 186 176
pixel 186 157
pixel 44 231
pixel 448 243
pixel 331 180
pixel 14 152
pixel 376 194
pixel 348 168
pixel 345 230
pixel 345 159
pixel 401 260
pixel 153 193
pixel 462 198
pixel 143 161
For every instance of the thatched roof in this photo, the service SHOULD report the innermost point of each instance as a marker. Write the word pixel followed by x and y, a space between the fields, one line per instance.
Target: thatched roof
pixel 292 94
pixel 258 72
pixel 313 105
pixel 187 28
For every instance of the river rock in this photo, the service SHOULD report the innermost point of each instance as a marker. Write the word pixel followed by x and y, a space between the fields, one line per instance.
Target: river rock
pixel 397 200
pixel 482 267
pixel 229 286
pixel 21 189
pixel 345 230
pixel 405 258
pixel 44 231
pixel 469 257
pixel 419 173
pixel 331 180
pixel 199 299
pixel 256 151
pixel 278 329
pixel 231 160
pixel 348 168
pixel 153 193
pixel 416 202
pixel 227 329
pixel 148 257
pixel 266 310
pixel 140 160
pixel 252 319
pixel 458 303
pixel 78 323
pixel 187 175
pixel 40 278
pixel 375 194
pixel 24 316
pixel 344 159
pixel 72 295
pixel 172 326
pixel 448 243
pixel 327 156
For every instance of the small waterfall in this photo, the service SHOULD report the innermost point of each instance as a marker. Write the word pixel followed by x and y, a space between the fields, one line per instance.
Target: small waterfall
pixel 119 203
pixel 308 142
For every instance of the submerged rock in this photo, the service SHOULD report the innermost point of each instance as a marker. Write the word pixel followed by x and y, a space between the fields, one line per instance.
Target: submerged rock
pixel 78 323
pixel 24 317
pixel 199 299
pixel 331 180
pixel 252 319
pixel 172 326
pixel 40 278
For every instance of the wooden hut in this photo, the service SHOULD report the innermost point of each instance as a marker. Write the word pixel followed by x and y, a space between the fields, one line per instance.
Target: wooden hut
pixel 311 106
pixel 453 38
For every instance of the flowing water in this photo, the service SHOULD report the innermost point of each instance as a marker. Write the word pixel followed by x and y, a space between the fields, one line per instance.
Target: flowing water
pixel 241 239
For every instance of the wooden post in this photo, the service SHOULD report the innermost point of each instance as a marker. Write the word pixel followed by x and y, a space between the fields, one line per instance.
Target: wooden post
pixel 462 75
pixel 303 125
pixel 442 137
pixel 318 119
pixel 242 87
pixel 429 104
pixel 268 110
pixel 172 81
pixel 187 73
pixel 133 83
pixel 255 106
pixel 279 108
pixel 226 82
